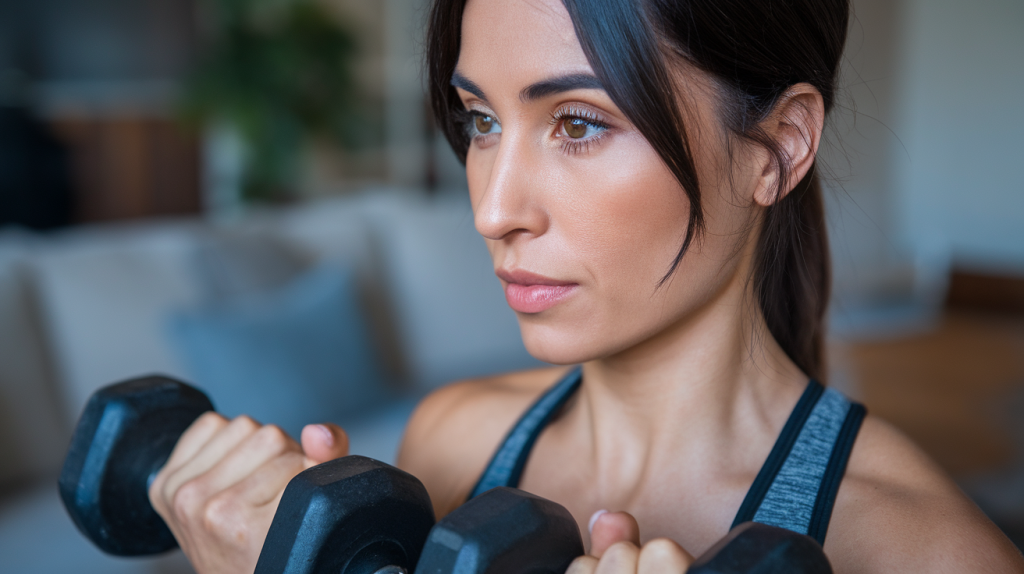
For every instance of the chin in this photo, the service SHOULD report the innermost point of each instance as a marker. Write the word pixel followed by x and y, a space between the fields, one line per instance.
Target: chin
pixel 560 345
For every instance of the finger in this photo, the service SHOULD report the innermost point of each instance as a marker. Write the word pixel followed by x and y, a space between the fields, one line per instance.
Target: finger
pixel 324 442
pixel 266 444
pixel 191 441
pixel 582 565
pixel 619 558
pixel 195 436
pixel 210 453
pixel 608 528
pixel 268 481
pixel 663 556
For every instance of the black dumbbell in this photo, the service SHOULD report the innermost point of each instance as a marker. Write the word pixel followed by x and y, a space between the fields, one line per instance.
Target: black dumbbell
pixel 503 530
pixel 509 531
pixel 125 436
pixel 753 548
pixel 354 512
pixel 353 515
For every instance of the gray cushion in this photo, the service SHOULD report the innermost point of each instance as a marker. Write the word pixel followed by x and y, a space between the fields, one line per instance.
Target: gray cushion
pixel 33 434
pixel 297 356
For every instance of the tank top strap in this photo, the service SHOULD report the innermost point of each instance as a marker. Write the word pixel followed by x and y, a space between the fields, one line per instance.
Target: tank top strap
pixel 795 488
pixel 506 467
pixel 797 485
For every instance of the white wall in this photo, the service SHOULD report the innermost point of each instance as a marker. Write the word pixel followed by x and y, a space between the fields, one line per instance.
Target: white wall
pixel 856 156
pixel 922 158
pixel 960 186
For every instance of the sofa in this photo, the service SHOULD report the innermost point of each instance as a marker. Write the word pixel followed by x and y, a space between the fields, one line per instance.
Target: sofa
pixel 346 308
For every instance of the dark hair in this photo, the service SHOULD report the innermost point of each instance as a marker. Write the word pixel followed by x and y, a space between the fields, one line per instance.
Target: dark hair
pixel 755 50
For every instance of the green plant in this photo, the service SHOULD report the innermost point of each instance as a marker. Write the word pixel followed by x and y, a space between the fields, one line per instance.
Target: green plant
pixel 278 72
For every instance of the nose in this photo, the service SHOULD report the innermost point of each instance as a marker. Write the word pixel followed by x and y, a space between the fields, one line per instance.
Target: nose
pixel 511 204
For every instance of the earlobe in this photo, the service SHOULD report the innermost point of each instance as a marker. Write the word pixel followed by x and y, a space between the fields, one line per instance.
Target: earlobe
pixel 795 126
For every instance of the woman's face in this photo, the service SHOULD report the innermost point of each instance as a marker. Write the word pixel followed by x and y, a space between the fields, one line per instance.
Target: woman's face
pixel 581 216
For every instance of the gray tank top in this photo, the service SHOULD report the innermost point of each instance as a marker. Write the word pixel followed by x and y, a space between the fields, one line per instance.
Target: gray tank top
pixel 795 489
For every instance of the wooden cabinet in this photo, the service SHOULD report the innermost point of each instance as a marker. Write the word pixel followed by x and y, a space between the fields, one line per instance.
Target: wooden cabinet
pixel 127 167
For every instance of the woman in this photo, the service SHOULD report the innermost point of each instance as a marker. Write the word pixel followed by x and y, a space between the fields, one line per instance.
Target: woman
pixel 643 174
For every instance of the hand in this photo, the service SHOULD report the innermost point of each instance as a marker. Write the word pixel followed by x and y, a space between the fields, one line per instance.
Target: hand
pixel 615 549
pixel 221 486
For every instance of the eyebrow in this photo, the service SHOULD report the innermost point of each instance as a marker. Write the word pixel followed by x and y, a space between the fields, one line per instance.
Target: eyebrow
pixel 460 81
pixel 560 84
pixel 536 90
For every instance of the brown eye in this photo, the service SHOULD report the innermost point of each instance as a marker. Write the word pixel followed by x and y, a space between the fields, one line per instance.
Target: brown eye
pixel 575 128
pixel 484 124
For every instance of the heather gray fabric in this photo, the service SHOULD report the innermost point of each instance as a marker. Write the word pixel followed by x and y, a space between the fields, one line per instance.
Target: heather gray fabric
pixel 789 502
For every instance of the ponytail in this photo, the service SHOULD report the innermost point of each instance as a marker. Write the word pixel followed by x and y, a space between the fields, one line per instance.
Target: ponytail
pixel 793 276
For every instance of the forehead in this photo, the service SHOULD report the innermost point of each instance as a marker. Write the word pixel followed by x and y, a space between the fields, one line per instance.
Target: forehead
pixel 517 42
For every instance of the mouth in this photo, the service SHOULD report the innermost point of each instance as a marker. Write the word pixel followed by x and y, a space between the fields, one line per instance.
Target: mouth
pixel 528 292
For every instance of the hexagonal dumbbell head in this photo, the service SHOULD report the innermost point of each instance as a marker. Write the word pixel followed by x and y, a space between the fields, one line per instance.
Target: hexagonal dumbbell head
pixel 353 515
pixel 124 436
pixel 503 531
pixel 753 548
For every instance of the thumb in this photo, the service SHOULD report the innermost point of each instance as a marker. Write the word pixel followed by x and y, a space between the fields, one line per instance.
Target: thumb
pixel 607 528
pixel 323 442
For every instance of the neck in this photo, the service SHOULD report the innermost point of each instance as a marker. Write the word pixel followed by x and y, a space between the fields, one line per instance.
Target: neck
pixel 716 375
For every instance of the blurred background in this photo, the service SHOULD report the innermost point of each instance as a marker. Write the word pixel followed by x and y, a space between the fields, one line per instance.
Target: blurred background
pixel 249 195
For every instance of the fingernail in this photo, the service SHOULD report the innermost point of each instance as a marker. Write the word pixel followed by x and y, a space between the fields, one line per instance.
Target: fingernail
pixel 593 519
pixel 328 435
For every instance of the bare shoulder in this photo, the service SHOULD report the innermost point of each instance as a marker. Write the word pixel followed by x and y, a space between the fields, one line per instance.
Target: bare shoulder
pixel 454 431
pixel 897 511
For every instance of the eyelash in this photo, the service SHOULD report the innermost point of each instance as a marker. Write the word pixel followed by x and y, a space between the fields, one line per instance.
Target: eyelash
pixel 575 146
pixel 569 146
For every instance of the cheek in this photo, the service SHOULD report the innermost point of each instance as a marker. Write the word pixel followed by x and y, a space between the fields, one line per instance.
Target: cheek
pixel 629 218
pixel 478 171
pixel 619 218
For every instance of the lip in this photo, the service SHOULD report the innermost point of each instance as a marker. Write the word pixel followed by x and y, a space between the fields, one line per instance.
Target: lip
pixel 528 292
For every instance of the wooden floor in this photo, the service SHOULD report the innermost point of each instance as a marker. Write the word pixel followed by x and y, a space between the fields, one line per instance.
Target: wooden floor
pixel 952 390
pixel 958 392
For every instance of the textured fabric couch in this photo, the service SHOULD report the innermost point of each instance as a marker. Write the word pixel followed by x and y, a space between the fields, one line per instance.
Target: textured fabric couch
pixel 346 309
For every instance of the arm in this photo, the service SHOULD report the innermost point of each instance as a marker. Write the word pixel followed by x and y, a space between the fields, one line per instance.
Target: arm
pixel 897 511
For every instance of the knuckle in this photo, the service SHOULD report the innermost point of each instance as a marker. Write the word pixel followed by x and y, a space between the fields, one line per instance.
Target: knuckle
pixel 274 438
pixel 245 423
pixel 662 546
pixel 221 513
pixel 166 495
pixel 623 547
pixel 188 500
pixel 155 492
pixel 663 555
pixel 582 565
pixel 228 520
pixel 621 555
pixel 210 420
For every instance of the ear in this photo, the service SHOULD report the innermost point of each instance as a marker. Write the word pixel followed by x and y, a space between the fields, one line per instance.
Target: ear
pixel 795 125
